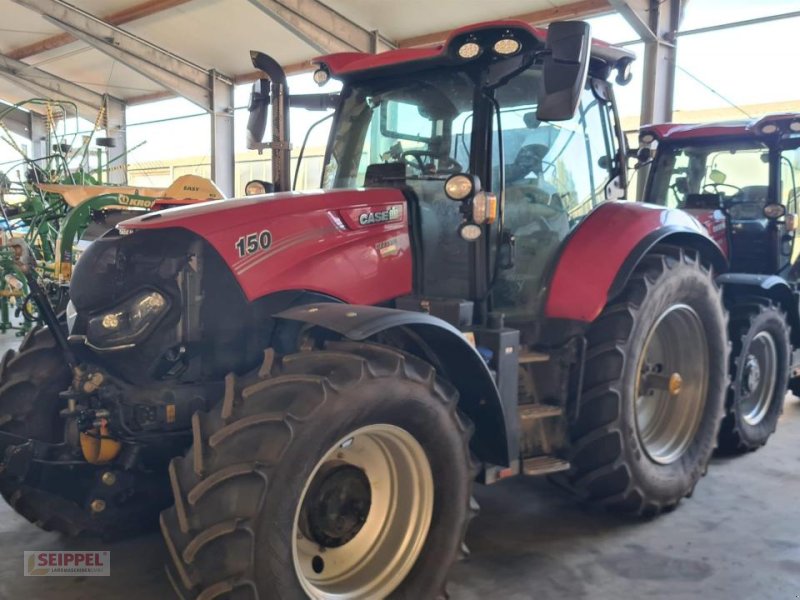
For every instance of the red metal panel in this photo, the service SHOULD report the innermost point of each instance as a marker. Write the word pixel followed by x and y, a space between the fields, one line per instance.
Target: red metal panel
pixel 593 255
pixel 349 244
pixel 744 129
pixel 715 223
pixel 350 62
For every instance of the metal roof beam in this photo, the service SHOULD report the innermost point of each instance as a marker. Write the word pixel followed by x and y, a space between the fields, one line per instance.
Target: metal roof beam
pixel 48 85
pixel 17 120
pixel 165 68
pixel 120 17
pixel 321 27
pixel 639 15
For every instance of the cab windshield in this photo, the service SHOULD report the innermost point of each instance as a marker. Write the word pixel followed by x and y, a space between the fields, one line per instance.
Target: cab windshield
pixel 416 130
pixel 736 173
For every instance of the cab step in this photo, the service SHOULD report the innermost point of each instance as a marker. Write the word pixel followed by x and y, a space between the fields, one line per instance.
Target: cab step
pixel 542 465
pixel 531 412
pixel 533 357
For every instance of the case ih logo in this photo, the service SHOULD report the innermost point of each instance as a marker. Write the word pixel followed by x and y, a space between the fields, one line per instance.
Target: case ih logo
pixel 393 213
pixel 67 564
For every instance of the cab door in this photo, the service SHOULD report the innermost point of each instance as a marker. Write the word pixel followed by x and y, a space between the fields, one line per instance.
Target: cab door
pixel 789 249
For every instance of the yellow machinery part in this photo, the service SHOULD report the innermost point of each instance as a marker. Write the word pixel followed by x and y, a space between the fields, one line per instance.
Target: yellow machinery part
pixel 97 448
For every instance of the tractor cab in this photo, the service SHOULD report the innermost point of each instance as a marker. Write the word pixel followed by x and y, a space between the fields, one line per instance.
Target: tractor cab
pixel 501 140
pixel 740 179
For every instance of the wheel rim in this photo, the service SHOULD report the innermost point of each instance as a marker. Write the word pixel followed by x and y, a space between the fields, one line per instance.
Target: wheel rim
pixel 757 383
pixel 672 384
pixel 364 515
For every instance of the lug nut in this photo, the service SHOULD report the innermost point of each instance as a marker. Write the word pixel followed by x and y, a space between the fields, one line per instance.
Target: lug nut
pixel 108 478
pixel 98 505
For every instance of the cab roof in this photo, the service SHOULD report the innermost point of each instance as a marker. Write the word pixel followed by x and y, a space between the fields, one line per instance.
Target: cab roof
pixel 746 128
pixel 344 64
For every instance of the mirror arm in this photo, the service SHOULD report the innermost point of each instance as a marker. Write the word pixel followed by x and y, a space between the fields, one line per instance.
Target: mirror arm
pixel 315 102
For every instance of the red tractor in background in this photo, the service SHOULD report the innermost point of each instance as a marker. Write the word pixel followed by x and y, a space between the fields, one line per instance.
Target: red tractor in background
pixel 740 180
pixel 312 381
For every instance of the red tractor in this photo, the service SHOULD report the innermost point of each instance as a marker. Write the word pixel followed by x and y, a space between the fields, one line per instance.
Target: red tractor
pixel 311 382
pixel 740 180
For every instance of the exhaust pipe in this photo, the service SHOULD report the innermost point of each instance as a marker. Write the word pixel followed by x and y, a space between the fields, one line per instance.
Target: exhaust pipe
pixel 271 91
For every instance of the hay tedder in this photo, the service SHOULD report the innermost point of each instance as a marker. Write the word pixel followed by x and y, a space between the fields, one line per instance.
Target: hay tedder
pixel 58 206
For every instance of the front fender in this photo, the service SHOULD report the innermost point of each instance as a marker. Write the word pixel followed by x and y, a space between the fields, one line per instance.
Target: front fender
pixel 600 255
pixel 495 440
pixel 736 286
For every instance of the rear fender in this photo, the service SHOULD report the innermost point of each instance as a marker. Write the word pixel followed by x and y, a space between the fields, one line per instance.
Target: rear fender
pixel 601 254
pixel 737 286
pixel 676 236
pixel 495 439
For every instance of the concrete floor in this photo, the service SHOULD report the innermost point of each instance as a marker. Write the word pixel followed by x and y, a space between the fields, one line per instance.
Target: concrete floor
pixel 737 537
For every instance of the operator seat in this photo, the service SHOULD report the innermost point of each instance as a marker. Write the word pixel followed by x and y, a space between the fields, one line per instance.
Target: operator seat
pixel 535 214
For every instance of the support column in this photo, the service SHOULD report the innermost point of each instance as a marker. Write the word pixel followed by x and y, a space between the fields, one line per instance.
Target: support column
pixel 656 22
pixel 659 62
pixel 115 127
pixel 38 134
pixel 222 149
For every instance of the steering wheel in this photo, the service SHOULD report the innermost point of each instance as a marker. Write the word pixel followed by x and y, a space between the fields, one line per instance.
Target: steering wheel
pixel 417 163
pixel 715 187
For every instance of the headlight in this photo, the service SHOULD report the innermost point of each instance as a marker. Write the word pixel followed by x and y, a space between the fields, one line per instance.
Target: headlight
pixel 321 76
pixel 774 211
pixel 506 46
pixel 460 187
pixel 769 129
pixel 128 322
pixel 256 187
pixel 470 232
pixel 469 50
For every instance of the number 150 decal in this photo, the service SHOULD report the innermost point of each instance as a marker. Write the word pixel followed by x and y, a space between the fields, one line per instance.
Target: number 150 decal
pixel 253 242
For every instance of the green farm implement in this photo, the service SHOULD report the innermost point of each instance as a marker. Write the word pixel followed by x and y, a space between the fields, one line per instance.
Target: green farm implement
pixel 58 205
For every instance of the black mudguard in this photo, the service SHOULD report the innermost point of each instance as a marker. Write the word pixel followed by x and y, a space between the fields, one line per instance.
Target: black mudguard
pixel 496 429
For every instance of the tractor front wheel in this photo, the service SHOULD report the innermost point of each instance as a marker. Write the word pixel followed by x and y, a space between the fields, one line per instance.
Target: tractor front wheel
pixel 759 377
pixel 71 497
pixel 340 473
pixel 653 389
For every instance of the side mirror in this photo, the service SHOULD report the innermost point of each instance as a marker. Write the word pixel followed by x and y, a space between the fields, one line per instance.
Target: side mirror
pixel 642 155
pixel 774 211
pixel 717 176
pixel 257 120
pixel 565 67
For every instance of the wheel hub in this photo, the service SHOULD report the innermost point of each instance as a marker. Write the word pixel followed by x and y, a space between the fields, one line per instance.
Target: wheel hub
pixel 757 384
pixel 364 515
pixel 337 505
pixel 752 375
pixel 671 387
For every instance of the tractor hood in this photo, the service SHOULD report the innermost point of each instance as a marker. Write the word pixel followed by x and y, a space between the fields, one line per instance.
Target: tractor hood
pixel 350 244
pixel 223 214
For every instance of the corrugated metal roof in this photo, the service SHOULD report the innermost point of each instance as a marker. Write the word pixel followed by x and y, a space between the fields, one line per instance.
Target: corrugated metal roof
pixel 219 34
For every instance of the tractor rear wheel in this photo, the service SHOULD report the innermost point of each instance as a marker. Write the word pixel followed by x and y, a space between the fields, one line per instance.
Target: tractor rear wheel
pixel 759 369
pixel 59 497
pixel 339 473
pixel 653 388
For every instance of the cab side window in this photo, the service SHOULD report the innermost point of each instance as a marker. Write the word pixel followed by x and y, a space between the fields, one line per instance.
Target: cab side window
pixel 555 174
